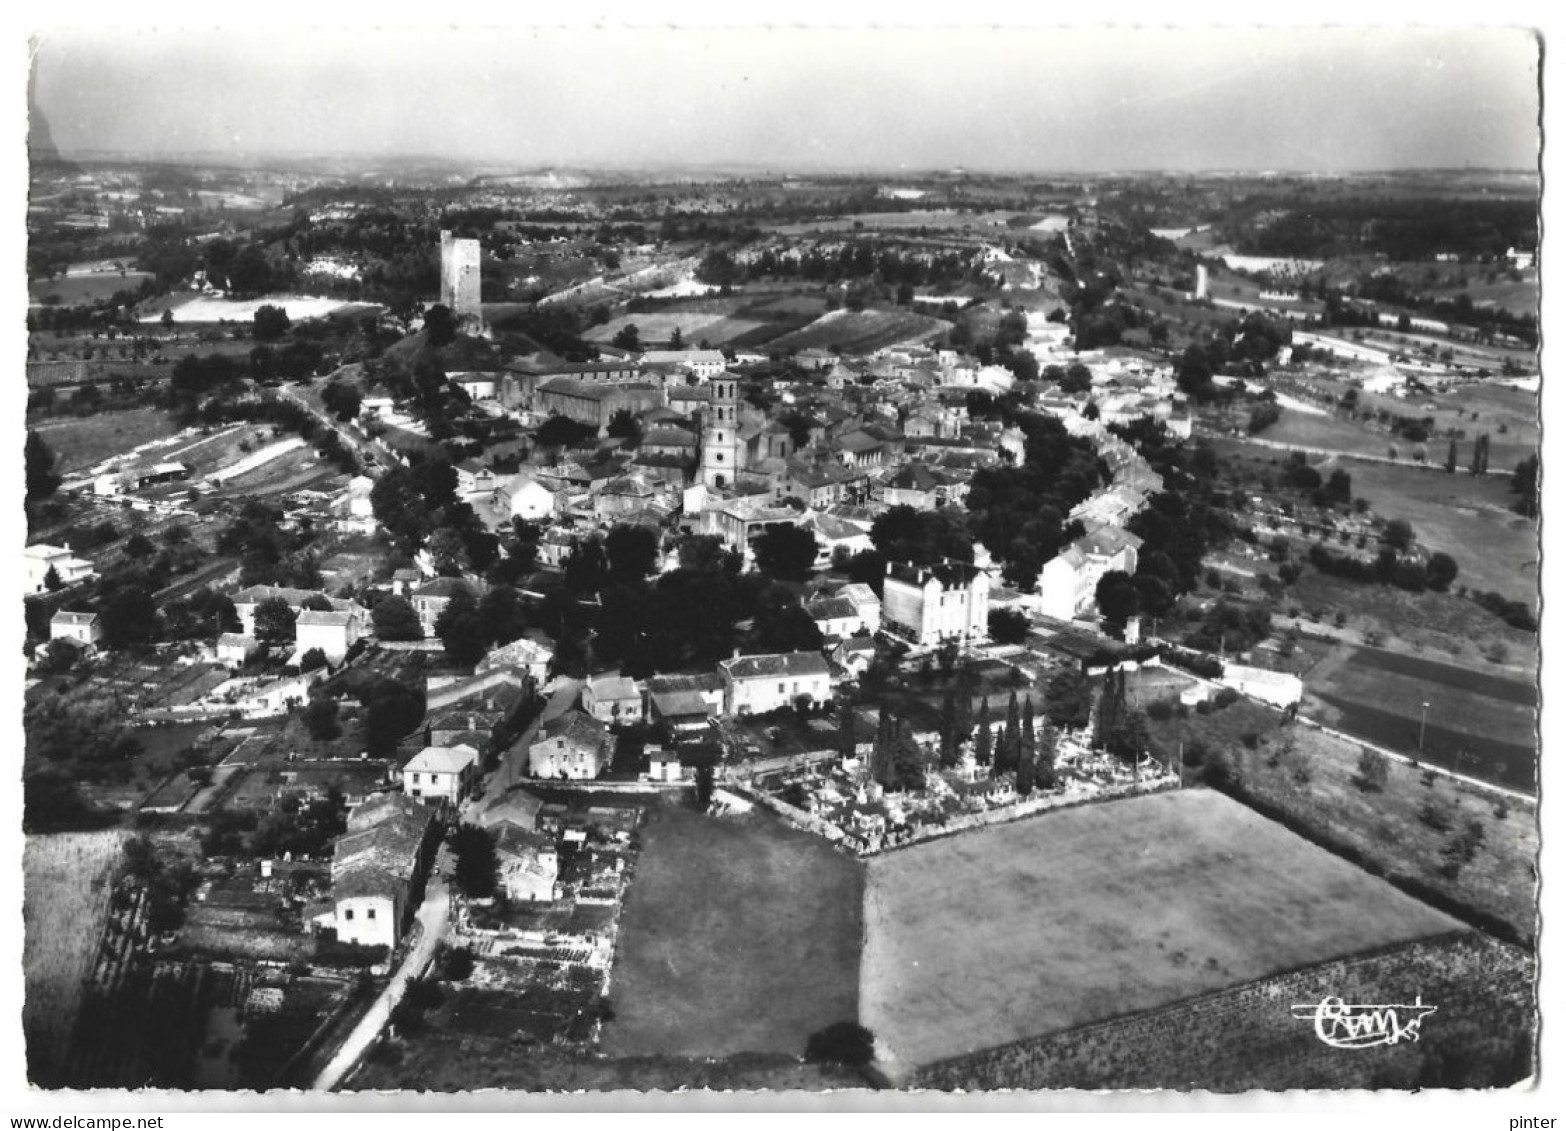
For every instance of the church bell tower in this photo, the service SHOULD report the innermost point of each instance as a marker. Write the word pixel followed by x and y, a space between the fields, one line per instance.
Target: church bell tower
pixel 720 436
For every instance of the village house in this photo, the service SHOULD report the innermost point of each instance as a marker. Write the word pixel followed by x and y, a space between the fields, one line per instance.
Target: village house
pixel 278 697
pixel 923 488
pixel 1068 583
pixel 334 633
pixel 430 600
pixel 612 698
pixel 862 449
pixel 524 655
pixel 405 581
pixel 473 477
pixel 820 484
pixel 441 774
pixel 522 496
pixel 836 617
pixel 668 441
pixel 685 702
pixel 356 505
pixel 247 600
pixel 740 521
pixel 573 745
pixel 555 546
pixel 478 386
pixel 85 629
pixel 39 559
pixel 854 655
pixel 835 534
pixel 528 863
pixel 379 866
pixel 478 710
pixel 623 495
pixel 664 765
pixel 929 605
pixel 866 602
pixel 234 648
pixel 754 685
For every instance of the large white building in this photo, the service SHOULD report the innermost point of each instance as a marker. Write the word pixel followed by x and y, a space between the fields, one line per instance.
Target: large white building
pixel 754 685
pixel 704 365
pixel 930 605
pixel 37 560
pixel 1068 583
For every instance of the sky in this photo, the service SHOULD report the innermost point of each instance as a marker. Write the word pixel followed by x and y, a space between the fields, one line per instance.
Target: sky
pixel 1068 99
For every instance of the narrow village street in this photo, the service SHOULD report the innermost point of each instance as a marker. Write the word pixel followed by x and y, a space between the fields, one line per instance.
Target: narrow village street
pixel 434 919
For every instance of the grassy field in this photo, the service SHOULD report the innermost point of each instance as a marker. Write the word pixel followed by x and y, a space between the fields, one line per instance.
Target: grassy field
pixel 861 331
pixel 1510 416
pixel 739 935
pixel 1246 1037
pixel 782 308
pixel 1466 516
pixel 74 289
pixel 81 442
pixel 66 887
pixel 1478 723
pixel 1330 432
pixel 695 327
pixel 1081 915
pixel 1437 625
pixel 1514 297
pixel 1382 828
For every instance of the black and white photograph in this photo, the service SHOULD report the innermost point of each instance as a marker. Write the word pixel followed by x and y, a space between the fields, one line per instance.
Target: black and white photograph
pixel 859 562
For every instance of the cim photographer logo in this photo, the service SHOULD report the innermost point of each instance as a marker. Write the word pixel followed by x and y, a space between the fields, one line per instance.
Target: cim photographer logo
pixel 1345 1026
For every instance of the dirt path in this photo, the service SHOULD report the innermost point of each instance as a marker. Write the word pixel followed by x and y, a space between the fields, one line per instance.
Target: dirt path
pixel 434 921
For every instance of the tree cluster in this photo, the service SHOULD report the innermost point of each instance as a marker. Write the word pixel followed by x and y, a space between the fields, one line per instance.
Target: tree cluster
pixel 1020 513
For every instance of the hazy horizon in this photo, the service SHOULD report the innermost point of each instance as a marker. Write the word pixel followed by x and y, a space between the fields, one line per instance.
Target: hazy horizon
pixel 1040 101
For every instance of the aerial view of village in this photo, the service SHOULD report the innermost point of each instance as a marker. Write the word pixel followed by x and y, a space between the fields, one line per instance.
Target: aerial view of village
pixel 733 621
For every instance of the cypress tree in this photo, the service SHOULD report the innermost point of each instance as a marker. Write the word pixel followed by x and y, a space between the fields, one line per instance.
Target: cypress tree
pixel 950 738
pixel 908 760
pixel 1481 462
pixel 963 703
pixel 1104 714
pixel 1027 753
pixel 846 742
pixel 983 747
pixel 1009 747
pixel 1451 457
pixel 881 757
pixel 1044 767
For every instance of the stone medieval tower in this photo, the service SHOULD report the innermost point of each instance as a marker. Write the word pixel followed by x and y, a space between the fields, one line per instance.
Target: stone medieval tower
pixel 720 444
pixel 459 279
